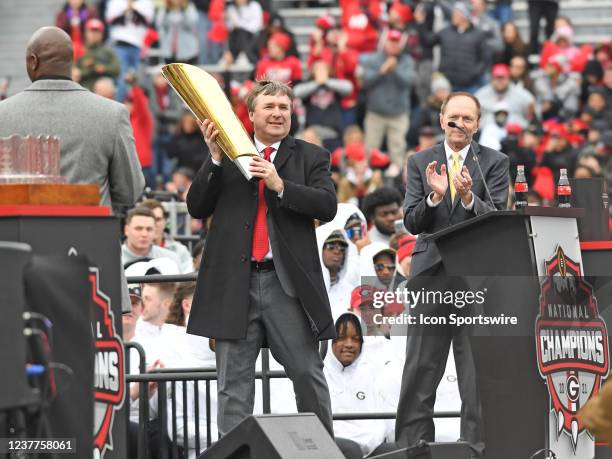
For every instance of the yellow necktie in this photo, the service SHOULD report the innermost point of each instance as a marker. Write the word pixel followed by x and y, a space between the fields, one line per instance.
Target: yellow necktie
pixel 454 170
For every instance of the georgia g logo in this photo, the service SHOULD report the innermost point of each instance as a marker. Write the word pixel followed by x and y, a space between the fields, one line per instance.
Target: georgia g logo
pixel 572 342
pixel 109 373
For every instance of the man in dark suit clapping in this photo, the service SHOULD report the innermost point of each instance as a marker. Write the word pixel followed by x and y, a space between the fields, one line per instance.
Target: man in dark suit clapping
pixel 260 277
pixel 444 187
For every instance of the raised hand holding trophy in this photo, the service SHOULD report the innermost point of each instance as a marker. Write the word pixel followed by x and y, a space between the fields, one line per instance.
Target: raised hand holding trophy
pixel 206 100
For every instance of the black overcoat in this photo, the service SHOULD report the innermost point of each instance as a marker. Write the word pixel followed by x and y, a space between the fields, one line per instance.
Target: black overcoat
pixel 221 300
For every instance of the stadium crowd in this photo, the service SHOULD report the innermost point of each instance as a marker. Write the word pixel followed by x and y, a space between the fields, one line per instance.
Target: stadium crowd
pixel 369 90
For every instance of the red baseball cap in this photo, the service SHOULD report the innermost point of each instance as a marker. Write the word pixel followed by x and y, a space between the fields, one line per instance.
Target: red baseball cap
pixel 394 35
pixel 500 70
pixel 325 22
pixel 514 128
pixel 405 246
pixel 94 24
pixel 281 39
pixel 403 11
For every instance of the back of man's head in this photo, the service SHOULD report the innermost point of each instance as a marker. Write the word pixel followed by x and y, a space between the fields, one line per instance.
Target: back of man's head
pixel 49 53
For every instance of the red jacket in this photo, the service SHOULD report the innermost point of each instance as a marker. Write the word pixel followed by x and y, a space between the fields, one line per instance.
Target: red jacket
pixel 343 66
pixel 286 70
pixel 360 22
pixel 142 125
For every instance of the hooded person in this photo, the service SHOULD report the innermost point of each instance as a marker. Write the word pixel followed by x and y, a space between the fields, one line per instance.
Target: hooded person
pixel 494 132
pixel 336 261
pixel 353 386
pixel 377 268
pixel 377 265
pixel 351 221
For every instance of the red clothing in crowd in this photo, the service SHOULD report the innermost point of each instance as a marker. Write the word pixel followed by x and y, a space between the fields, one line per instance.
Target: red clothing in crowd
pixel 376 159
pixel 576 57
pixel 343 65
pixel 216 13
pixel 360 22
pixel 287 70
pixel 242 112
pixel 73 23
pixel 142 125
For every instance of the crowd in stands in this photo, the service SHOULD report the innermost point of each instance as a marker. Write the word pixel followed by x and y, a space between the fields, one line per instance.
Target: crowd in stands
pixel 369 90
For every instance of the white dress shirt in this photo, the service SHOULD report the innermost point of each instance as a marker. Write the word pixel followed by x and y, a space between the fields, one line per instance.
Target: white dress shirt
pixel 449 160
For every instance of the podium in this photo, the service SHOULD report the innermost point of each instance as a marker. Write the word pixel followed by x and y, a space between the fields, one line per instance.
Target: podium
pixel 62 224
pixel 531 379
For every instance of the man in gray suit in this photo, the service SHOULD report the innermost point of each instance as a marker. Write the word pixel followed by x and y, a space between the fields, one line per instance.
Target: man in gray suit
pixel 434 201
pixel 96 139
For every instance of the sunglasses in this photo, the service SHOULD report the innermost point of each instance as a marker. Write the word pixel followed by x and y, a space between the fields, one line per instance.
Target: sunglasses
pixel 335 246
pixel 381 267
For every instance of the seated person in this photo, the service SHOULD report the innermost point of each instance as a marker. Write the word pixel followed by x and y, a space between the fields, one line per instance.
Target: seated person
pixel 129 320
pixel 382 208
pixel 336 263
pixel 353 386
pixel 189 351
pixel 164 240
pixel 139 243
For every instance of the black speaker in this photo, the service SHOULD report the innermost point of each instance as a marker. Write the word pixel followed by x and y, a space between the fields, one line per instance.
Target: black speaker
pixel 14 256
pixel 58 287
pixel 454 450
pixel 272 436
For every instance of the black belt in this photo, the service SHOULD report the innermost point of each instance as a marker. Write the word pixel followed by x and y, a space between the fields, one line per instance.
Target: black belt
pixel 266 265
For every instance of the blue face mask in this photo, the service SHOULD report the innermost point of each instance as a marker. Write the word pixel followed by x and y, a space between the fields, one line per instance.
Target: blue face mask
pixel 354 232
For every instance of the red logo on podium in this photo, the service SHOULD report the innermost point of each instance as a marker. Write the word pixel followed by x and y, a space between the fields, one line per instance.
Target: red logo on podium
pixel 109 369
pixel 572 342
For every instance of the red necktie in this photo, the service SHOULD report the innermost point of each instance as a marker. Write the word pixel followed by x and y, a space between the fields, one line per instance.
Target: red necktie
pixel 261 244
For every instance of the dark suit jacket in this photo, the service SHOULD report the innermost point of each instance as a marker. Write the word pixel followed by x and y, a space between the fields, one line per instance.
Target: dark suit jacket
pixel 422 219
pixel 221 300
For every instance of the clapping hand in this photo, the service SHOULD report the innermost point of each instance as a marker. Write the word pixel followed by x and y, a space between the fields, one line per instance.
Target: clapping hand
pixel 437 182
pixel 463 185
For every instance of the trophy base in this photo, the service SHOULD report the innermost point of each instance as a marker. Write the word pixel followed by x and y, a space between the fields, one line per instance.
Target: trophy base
pixel 243 162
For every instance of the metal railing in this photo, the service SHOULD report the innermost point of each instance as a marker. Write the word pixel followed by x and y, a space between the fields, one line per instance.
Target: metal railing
pixel 196 375
pixel 172 376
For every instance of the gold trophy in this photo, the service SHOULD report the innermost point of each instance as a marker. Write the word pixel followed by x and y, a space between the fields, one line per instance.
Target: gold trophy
pixel 206 100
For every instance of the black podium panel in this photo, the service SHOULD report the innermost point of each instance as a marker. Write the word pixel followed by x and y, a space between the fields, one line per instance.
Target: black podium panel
pixel 97 238
pixel 497 247
pixel 14 257
pixel 294 436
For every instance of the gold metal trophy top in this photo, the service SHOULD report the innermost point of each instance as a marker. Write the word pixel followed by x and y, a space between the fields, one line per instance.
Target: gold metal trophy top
pixel 202 94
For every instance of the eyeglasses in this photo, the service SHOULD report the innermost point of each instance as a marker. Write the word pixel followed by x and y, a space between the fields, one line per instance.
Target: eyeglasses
pixel 381 267
pixel 335 246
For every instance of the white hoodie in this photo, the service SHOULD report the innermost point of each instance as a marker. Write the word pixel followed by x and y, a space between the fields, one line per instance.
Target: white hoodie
pixel 348 278
pixel 354 389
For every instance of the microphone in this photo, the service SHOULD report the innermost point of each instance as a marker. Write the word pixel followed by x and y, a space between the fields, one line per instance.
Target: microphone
pixel 452 124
